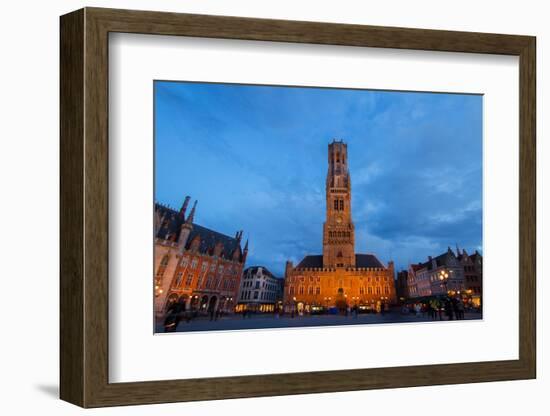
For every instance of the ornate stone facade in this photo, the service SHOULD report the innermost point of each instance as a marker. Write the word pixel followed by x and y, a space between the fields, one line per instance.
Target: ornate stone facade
pixel 259 290
pixel 194 264
pixel 339 277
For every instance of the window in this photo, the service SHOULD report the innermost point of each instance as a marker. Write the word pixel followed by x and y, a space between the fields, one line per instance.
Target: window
pixel 369 290
pixel 213 267
pixel 386 290
pixel 220 269
pixel 184 261
pixel 336 204
pixel 178 279
pixel 341 205
pixel 189 280
pixel 377 290
pixel 362 290
pixel 164 261
pixel 204 266
pixel 194 263
pixel 301 290
pixel 310 290
pixel 255 295
pixel 318 290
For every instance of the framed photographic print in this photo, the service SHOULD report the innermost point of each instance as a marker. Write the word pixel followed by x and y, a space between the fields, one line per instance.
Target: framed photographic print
pixel 255 207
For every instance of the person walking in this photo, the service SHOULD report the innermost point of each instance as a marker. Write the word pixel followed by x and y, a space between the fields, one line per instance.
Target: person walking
pixel 460 309
pixel 449 309
pixel 417 309
pixel 174 315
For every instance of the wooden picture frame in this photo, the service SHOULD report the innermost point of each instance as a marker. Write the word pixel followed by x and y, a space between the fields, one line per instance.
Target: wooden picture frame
pixel 84 207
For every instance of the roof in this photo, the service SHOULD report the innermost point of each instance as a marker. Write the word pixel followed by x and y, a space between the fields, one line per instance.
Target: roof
pixel 208 238
pixel 361 261
pixel 265 271
pixel 310 262
pixel 367 260
pixel 441 260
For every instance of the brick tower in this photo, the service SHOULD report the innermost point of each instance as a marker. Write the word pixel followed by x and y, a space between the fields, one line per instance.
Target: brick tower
pixel 338 229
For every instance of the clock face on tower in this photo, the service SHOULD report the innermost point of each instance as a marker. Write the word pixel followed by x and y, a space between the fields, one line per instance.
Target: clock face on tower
pixel 338 220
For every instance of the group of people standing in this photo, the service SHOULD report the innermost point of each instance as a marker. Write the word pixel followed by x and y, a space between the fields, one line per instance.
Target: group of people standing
pixel 451 307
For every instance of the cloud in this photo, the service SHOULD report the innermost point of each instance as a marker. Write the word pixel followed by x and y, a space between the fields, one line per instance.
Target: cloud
pixel 256 158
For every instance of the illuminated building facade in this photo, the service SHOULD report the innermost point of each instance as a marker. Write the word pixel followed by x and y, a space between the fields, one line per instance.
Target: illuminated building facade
pixel 339 277
pixel 193 264
pixel 259 291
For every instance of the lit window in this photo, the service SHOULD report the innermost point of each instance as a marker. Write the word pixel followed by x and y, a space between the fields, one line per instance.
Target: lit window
pixel 189 280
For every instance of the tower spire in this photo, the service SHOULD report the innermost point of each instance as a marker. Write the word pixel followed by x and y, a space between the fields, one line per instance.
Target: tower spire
pixel 245 251
pixel 192 214
pixel 184 206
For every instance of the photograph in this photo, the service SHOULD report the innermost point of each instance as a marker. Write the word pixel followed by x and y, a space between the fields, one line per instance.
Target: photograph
pixel 291 206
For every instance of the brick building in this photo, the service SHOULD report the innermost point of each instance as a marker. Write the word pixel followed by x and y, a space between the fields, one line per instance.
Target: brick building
pixel 194 264
pixel 473 274
pixel 339 277
pixel 448 272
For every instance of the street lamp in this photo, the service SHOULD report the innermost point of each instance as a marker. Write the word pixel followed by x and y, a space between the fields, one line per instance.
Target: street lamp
pixel 443 277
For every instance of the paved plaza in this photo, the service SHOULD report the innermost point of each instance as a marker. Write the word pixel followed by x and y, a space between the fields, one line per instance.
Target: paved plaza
pixel 234 322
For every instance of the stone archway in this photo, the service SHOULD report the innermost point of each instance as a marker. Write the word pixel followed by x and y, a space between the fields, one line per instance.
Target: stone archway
pixel 203 303
pixel 173 297
pixel 184 300
pixel 212 303
pixel 194 304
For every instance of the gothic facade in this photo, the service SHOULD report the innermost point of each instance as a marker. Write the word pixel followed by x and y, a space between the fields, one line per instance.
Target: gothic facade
pixel 194 264
pixel 339 277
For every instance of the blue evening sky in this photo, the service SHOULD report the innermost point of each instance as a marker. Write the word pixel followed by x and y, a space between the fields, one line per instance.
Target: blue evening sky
pixel 255 157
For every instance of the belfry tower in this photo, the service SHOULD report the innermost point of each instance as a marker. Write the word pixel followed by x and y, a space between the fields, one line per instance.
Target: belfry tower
pixel 338 229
